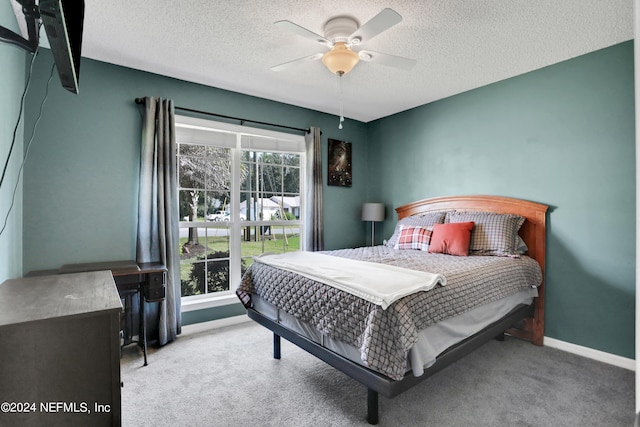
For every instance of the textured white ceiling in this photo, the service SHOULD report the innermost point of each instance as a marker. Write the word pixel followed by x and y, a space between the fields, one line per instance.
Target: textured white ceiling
pixel 459 45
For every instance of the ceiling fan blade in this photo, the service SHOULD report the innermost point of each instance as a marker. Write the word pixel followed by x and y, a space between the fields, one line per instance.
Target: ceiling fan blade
pixel 296 62
pixel 379 23
pixel 386 59
pixel 303 32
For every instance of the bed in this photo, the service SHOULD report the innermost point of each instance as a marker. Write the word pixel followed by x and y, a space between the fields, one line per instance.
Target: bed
pixel 434 326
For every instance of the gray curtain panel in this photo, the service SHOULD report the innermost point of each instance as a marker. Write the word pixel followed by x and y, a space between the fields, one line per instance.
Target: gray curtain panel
pixel 158 207
pixel 314 224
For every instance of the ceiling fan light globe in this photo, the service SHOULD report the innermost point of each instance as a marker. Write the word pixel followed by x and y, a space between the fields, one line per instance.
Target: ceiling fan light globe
pixel 340 59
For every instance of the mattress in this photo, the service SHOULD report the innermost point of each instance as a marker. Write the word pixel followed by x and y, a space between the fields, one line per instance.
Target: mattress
pixel 432 340
pixel 386 338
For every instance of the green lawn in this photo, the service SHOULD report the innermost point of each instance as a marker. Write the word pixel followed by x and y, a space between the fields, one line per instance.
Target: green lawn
pixel 251 248
pixel 217 247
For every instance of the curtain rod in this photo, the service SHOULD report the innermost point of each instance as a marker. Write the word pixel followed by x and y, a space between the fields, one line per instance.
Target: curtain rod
pixel 241 120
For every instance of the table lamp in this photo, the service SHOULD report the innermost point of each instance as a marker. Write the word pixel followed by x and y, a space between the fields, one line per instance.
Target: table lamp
pixel 373 212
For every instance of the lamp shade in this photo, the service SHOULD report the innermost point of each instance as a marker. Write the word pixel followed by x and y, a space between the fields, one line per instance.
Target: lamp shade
pixel 373 212
pixel 340 59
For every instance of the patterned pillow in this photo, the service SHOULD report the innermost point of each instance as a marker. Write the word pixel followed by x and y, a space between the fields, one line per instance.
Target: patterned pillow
pixel 493 234
pixel 414 237
pixel 427 220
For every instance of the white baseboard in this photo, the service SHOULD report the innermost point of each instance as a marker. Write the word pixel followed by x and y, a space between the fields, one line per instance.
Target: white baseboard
pixel 601 356
pixel 214 324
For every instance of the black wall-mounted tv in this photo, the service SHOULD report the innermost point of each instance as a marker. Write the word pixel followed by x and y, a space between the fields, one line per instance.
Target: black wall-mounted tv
pixel 63 22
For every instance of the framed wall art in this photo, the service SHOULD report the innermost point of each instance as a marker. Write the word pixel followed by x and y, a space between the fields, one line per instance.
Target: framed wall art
pixel 339 163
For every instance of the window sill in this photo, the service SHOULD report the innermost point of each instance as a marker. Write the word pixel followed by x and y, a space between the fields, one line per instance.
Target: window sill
pixel 209 302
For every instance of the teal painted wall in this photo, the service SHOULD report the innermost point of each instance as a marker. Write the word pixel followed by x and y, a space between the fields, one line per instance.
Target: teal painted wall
pixel 81 177
pixel 12 82
pixel 563 136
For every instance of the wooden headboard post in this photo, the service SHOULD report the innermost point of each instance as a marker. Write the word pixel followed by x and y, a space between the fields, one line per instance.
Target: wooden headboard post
pixel 533 232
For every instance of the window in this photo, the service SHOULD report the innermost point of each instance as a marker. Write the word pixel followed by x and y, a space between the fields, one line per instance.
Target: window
pixel 239 196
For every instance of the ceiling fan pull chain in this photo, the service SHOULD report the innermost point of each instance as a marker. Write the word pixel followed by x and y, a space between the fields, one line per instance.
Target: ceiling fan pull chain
pixel 340 74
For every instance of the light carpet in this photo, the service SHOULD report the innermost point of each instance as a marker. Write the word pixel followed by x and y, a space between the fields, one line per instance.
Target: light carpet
pixel 228 377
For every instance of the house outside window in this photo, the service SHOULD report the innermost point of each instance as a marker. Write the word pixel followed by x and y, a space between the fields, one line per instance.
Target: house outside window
pixel 239 197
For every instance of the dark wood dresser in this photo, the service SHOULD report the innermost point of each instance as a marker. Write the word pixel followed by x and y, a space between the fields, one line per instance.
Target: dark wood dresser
pixel 60 350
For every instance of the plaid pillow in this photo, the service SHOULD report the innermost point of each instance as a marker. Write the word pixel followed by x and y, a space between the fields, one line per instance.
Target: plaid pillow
pixel 427 220
pixel 416 237
pixel 493 234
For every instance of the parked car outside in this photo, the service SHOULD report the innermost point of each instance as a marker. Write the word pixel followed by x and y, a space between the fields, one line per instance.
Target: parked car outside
pixel 218 216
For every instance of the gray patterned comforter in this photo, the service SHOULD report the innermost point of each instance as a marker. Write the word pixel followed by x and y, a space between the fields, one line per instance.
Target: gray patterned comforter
pixel 384 337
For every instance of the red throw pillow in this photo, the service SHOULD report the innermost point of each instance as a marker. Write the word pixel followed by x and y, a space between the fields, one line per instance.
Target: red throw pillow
pixel 452 238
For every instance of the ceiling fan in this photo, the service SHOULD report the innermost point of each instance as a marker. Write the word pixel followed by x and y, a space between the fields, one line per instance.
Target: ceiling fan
pixel 341 35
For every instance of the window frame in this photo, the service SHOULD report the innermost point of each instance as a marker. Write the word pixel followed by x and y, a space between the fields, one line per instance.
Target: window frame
pixel 289 143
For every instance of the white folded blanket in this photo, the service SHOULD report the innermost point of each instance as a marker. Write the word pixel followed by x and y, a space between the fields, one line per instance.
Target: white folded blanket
pixel 380 284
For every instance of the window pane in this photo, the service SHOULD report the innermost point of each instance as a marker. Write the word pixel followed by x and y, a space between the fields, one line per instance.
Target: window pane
pixel 254 208
pixel 282 239
pixel 249 171
pixel 291 159
pixel 291 180
pixel 205 168
pixel 192 278
pixel 217 243
pixel 217 275
pixel 191 207
pixel 192 171
pixel 217 205
pixel 271 178
pixel 271 158
pixel 217 168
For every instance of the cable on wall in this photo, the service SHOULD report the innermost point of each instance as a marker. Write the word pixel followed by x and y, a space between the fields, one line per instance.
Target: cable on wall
pixel 33 132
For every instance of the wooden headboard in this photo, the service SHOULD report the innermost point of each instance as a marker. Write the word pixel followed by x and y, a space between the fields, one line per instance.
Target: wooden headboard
pixel 533 232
